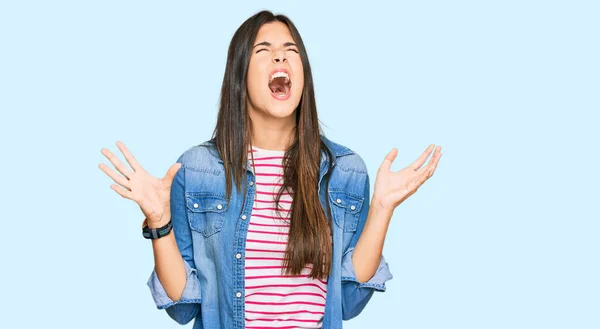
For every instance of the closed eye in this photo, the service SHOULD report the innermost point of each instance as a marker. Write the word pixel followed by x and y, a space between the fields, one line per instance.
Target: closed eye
pixel 294 50
pixel 260 50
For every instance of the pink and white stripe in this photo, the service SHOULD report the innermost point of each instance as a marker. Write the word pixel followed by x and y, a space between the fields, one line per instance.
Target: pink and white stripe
pixel 274 300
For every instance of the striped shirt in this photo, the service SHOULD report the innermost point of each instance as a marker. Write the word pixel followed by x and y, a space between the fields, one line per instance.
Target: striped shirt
pixel 275 300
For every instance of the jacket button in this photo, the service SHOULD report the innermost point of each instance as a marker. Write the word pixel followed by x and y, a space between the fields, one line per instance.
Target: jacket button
pixel 238 294
pixel 195 205
pixel 338 201
pixel 238 256
pixel 244 217
pixel 251 183
pixel 352 207
pixel 219 206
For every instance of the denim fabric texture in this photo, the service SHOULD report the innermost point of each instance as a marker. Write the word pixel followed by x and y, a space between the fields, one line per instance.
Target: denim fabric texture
pixel 211 230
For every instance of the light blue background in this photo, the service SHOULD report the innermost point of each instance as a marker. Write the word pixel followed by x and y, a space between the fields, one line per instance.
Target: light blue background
pixel 504 235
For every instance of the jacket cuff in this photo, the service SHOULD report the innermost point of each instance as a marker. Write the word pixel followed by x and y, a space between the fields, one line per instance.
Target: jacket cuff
pixel 191 291
pixel 377 282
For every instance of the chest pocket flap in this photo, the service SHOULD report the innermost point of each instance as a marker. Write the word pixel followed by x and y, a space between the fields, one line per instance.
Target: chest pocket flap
pixel 346 207
pixel 206 212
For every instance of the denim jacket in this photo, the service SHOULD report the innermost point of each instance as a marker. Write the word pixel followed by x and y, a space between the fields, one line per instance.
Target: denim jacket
pixel 211 235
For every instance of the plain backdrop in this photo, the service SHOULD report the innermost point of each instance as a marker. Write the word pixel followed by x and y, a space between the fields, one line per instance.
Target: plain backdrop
pixel 504 235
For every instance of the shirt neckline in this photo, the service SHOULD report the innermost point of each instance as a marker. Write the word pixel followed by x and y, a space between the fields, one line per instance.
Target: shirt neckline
pixel 261 150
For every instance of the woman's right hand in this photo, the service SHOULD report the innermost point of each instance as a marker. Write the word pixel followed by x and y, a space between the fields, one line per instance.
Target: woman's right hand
pixel 152 194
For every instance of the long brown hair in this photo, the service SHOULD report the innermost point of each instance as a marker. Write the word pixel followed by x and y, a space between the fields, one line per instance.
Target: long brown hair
pixel 309 239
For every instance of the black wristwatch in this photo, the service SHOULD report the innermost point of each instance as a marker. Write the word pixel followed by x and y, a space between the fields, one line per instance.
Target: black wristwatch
pixel 155 233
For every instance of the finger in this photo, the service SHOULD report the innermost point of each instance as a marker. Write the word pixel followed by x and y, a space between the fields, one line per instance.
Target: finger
pixel 117 163
pixel 419 162
pixel 115 177
pixel 435 161
pixel 432 165
pixel 423 175
pixel 172 172
pixel 122 192
pixel 389 158
pixel 129 157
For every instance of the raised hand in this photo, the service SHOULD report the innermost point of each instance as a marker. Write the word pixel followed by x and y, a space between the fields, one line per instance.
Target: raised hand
pixel 152 194
pixel 392 188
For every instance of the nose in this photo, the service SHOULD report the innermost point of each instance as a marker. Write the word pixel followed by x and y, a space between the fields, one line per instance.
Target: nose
pixel 279 57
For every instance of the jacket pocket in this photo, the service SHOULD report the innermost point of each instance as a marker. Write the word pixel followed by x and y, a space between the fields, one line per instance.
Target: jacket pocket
pixel 346 209
pixel 206 212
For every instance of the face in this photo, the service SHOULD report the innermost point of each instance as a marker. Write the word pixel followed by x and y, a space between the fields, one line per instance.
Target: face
pixel 275 73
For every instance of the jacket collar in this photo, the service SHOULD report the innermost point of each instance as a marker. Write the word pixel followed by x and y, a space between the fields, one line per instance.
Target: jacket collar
pixel 336 149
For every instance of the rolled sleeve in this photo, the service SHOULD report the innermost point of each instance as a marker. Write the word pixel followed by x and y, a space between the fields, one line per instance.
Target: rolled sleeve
pixel 377 281
pixel 191 291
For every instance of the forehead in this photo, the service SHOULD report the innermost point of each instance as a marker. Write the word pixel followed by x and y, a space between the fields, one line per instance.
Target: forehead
pixel 274 32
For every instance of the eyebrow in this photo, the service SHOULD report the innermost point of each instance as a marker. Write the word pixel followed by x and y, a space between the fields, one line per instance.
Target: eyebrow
pixel 268 44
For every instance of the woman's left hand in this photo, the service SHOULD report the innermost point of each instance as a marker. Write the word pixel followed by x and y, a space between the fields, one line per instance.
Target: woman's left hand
pixel 392 188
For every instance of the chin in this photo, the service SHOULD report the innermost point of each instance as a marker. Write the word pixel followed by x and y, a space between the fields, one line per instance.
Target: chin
pixel 282 110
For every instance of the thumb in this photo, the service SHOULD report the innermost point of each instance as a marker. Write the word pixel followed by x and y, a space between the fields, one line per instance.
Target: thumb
pixel 389 158
pixel 172 172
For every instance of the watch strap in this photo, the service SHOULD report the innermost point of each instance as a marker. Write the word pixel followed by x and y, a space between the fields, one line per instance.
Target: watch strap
pixel 156 233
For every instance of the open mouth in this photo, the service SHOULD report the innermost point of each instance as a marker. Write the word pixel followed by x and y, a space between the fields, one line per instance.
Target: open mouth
pixel 280 84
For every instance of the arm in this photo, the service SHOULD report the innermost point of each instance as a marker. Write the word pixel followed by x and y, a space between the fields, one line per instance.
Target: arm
pixel 361 260
pixel 174 283
pixel 368 249
pixel 364 269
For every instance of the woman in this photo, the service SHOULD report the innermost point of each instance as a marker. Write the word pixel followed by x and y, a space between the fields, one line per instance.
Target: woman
pixel 269 224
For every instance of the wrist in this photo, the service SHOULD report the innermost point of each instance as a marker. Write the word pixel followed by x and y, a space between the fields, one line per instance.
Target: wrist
pixel 379 208
pixel 162 221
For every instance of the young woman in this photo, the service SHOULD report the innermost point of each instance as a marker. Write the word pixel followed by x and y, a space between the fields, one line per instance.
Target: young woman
pixel 269 224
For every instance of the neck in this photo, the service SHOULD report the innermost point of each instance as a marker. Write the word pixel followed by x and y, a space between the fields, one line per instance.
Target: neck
pixel 272 133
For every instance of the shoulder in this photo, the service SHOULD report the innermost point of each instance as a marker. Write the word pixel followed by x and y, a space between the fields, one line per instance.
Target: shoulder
pixel 346 159
pixel 199 156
